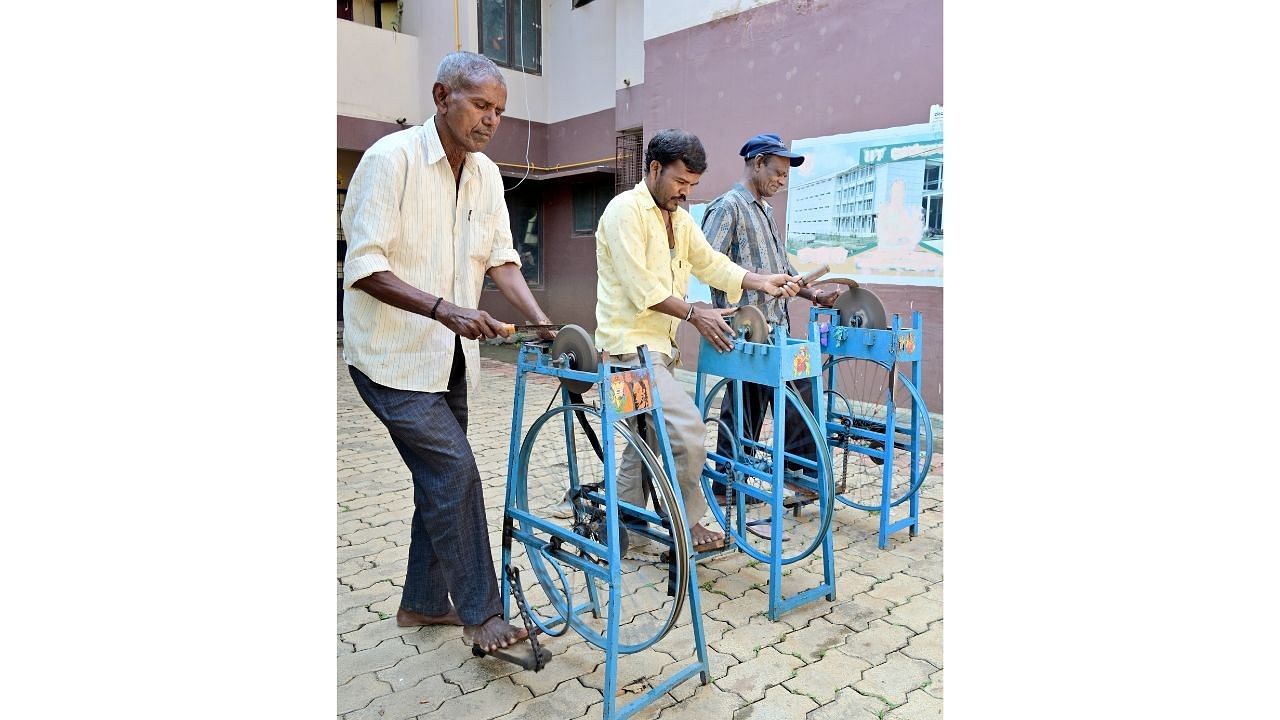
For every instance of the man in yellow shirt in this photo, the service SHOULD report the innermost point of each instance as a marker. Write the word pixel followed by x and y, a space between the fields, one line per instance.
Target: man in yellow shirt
pixel 646 248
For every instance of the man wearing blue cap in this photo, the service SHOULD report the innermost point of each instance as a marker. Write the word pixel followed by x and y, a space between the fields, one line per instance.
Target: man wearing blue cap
pixel 740 224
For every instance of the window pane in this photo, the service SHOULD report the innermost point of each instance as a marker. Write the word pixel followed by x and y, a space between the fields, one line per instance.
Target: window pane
pixel 493 30
pixel 524 206
pixel 525 234
pixel 525 52
pixel 584 212
pixel 932 177
pixel 604 193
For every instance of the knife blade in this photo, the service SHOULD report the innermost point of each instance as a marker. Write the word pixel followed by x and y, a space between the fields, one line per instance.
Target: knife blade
pixel 517 327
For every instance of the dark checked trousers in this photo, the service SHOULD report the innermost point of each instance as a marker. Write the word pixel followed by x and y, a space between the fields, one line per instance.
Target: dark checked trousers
pixel 449 553
pixel 757 400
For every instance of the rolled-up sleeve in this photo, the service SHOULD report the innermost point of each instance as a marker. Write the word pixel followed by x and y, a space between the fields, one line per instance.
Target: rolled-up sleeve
pixel 503 248
pixel 622 229
pixel 370 217
pixel 715 268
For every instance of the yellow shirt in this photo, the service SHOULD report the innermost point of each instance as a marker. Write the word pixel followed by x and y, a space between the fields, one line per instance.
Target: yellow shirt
pixel 636 270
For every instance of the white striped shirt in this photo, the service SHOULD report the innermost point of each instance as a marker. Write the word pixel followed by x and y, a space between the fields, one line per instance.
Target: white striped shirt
pixel 404 214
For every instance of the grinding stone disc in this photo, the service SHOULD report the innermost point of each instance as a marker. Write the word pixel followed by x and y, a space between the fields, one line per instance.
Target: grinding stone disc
pixel 859 307
pixel 574 340
pixel 750 323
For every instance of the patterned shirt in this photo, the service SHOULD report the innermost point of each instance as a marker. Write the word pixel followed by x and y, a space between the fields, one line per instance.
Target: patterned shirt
pixel 404 213
pixel 636 270
pixel 743 228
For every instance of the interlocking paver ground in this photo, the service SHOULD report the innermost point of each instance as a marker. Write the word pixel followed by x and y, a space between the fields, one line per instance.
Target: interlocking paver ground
pixel 874 652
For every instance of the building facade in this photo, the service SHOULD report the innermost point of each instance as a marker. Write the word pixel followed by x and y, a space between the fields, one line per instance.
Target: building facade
pixel 590 81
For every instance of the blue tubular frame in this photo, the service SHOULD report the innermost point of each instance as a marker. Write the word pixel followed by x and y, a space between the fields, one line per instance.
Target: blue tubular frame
pixel 886 348
pixel 772 365
pixel 533 532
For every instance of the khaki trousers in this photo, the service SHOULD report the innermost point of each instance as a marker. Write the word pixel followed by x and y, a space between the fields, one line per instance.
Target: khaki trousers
pixel 687 434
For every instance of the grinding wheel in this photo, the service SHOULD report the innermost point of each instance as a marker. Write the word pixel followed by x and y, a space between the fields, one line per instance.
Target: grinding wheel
pixel 859 307
pixel 750 323
pixel 575 342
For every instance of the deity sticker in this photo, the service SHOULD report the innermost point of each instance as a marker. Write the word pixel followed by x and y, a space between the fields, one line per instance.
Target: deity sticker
pixel 907 342
pixel 630 391
pixel 802 361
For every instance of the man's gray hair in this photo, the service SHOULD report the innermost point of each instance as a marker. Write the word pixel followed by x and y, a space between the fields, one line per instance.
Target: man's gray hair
pixel 464 69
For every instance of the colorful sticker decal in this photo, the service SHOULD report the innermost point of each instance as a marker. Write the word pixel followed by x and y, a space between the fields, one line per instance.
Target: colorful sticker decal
pixel 630 391
pixel 907 342
pixel 802 362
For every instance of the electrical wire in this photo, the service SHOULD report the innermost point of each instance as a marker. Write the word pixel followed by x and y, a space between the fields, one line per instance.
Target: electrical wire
pixel 528 119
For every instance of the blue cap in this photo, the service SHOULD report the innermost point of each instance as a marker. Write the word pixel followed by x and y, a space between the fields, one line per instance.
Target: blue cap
pixel 769 144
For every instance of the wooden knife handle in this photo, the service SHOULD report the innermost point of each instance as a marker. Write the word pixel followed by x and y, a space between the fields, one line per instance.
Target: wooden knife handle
pixel 814 275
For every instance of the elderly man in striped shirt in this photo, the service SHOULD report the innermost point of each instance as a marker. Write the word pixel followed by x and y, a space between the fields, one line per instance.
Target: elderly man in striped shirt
pixel 426 221
pixel 740 224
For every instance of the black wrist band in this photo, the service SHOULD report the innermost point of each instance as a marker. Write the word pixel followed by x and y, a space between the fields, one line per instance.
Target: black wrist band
pixel 433 308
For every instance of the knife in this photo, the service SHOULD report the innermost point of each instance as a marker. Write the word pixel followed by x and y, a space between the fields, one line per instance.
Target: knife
pixel 514 328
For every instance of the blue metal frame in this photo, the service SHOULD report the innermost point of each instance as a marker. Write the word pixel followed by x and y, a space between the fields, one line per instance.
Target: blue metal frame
pixel 527 527
pixel 887 348
pixel 771 365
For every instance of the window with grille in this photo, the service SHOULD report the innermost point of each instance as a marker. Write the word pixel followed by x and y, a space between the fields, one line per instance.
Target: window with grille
pixel 628 161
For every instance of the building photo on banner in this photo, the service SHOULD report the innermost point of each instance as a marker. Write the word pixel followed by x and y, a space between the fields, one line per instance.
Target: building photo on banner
pixel 868 205
pixel 568 486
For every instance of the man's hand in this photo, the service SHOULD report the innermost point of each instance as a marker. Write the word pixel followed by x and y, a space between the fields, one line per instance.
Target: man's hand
pixel 779 285
pixel 710 322
pixel 825 297
pixel 516 291
pixel 470 324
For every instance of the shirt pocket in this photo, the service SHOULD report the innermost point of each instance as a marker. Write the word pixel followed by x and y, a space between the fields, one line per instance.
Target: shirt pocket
pixel 480 232
pixel 680 271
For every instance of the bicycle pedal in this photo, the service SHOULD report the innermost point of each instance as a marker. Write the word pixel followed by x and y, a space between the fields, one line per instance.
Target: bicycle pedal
pixel 801 498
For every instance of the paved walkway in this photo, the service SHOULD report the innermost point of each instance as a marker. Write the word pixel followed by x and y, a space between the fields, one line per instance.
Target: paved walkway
pixel 876 652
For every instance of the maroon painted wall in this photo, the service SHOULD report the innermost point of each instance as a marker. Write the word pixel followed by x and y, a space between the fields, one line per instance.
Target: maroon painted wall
pixel 508 144
pixel 568 292
pixel 629 107
pixel 360 133
pixel 582 139
pixel 802 70
pixel 825 69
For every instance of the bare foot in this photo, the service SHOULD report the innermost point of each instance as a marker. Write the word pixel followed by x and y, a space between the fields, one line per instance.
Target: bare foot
pixel 703 535
pixel 494 633
pixel 409 618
